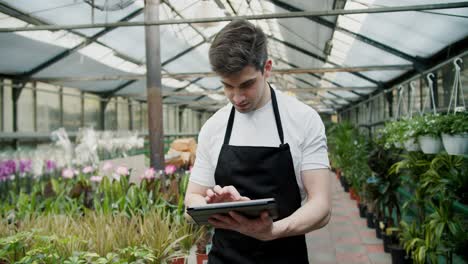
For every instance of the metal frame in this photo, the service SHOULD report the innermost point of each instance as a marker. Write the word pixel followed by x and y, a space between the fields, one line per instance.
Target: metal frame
pixel 419 64
pixel 250 17
pixel 355 35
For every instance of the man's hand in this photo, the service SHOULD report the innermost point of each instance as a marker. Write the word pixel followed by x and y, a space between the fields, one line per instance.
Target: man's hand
pixel 224 194
pixel 260 228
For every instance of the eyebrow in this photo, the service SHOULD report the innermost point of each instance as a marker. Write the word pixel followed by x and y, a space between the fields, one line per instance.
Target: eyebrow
pixel 243 83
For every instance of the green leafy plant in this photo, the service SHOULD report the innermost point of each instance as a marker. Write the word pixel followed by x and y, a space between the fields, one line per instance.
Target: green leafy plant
pixel 454 123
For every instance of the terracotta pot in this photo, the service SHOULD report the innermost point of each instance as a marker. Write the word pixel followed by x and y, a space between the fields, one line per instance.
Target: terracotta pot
pixel 352 194
pixel 338 173
pixel 202 258
pixel 180 260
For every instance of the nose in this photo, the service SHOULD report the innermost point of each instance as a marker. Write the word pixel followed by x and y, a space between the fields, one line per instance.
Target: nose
pixel 238 97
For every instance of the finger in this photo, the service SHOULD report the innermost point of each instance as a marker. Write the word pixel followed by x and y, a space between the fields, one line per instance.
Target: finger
pixel 245 198
pixel 226 219
pixel 217 224
pixel 265 216
pixel 232 191
pixel 238 217
pixel 218 190
pixel 210 192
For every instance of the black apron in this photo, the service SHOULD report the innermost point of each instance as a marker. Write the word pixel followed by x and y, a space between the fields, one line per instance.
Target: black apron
pixel 259 172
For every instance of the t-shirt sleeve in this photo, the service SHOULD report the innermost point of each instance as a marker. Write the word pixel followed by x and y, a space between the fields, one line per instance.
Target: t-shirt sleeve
pixel 314 148
pixel 203 170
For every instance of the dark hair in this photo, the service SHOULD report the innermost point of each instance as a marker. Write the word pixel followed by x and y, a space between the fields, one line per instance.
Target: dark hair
pixel 239 44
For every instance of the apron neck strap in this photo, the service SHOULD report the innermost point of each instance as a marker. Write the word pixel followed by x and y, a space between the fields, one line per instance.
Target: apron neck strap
pixel 279 126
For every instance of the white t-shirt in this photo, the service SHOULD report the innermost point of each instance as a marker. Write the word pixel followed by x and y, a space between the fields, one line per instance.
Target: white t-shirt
pixel 302 127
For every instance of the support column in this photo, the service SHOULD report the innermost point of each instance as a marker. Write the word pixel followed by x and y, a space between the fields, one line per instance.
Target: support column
pixel 435 91
pixel 153 78
pixel 130 115
pixel 2 112
pixel 15 94
pixel 389 99
pixel 82 101
pixel 35 106
pixel 61 105
pixel 102 112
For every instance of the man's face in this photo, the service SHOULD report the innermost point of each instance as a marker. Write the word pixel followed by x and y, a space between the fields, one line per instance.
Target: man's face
pixel 247 90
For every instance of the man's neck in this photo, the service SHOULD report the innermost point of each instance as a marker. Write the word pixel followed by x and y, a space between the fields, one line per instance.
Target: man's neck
pixel 266 97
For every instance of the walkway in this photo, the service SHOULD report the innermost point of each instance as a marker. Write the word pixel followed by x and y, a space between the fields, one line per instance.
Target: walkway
pixel 346 239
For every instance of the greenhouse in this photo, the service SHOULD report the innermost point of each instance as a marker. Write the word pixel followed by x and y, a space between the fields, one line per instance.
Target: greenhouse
pixel 333 131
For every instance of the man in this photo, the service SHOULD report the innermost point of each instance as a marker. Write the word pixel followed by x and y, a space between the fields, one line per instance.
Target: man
pixel 264 145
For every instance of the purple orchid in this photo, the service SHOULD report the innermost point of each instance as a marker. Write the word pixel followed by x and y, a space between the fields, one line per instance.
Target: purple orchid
pixel 50 165
pixel 25 166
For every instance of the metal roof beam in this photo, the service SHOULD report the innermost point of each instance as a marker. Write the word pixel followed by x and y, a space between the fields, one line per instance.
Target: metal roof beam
pixel 85 43
pixel 374 43
pixel 248 17
pixel 186 75
pixel 321 58
pixel 9 10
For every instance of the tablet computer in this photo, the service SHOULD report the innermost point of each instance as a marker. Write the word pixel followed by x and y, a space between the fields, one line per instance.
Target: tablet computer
pixel 251 209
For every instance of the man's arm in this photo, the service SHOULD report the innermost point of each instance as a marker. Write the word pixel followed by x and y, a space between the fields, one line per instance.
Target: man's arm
pixel 316 211
pixel 194 196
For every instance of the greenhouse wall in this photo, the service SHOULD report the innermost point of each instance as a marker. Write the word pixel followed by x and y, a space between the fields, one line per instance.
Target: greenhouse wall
pixel 406 100
pixel 44 108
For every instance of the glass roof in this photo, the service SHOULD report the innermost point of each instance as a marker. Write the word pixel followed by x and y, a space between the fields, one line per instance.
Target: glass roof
pixel 360 40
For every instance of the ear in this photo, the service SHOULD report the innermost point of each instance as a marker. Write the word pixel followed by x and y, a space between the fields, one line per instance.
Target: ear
pixel 267 68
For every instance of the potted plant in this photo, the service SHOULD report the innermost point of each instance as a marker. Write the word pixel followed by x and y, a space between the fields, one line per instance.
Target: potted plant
pixel 409 137
pixel 203 246
pixel 428 133
pixel 454 129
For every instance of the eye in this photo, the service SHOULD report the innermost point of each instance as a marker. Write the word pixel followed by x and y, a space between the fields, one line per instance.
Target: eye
pixel 248 84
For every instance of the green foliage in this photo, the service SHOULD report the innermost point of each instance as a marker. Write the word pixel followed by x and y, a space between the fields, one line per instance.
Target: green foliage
pixel 454 123
pixel 427 125
pixel 348 151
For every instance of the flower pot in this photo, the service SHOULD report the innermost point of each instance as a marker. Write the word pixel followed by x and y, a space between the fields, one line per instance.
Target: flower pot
pixel 399 255
pixel 179 260
pixel 345 184
pixel 352 194
pixel 387 241
pixel 456 144
pixel 338 173
pixel 430 144
pixel 202 258
pixel 378 233
pixel 370 220
pixel 362 210
pixel 412 145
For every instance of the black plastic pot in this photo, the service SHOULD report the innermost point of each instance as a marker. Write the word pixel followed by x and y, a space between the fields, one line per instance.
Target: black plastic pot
pixel 378 232
pixel 399 255
pixel 370 220
pixel 345 185
pixel 387 241
pixel 362 210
